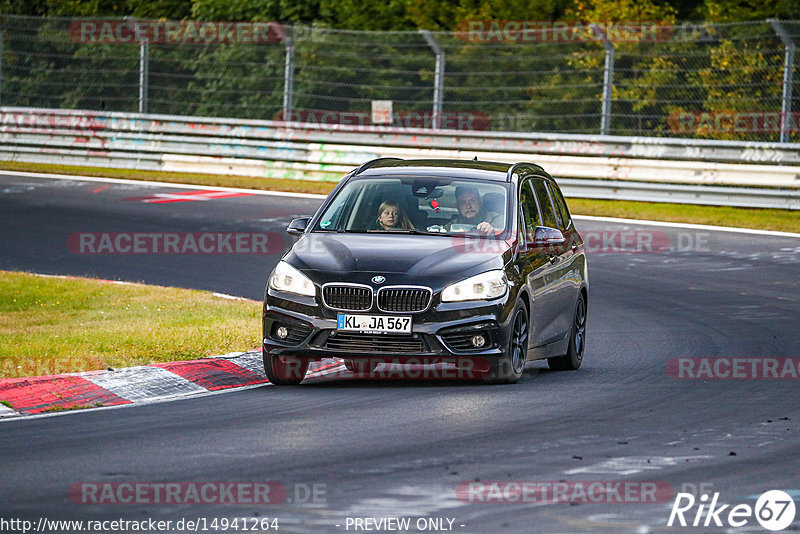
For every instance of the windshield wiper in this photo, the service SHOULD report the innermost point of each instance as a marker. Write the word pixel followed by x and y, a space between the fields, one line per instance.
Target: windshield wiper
pixel 412 231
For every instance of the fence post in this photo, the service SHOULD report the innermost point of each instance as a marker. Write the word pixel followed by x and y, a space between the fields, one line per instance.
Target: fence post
pixel 144 60
pixel 1 67
pixel 608 81
pixel 288 76
pixel 788 67
pixel 144 72
pixel 438 79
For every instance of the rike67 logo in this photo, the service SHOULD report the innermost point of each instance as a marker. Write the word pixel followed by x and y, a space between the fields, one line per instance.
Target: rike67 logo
pixel 774 510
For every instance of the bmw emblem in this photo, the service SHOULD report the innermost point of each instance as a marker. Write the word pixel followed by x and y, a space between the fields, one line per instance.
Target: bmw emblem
pixel 378 279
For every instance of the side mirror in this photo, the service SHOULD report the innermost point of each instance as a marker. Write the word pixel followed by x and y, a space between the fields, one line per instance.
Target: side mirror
pixel 544 235
pixel 298 226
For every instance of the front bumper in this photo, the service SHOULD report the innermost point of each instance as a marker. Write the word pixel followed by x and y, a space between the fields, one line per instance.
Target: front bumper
pixel 443 332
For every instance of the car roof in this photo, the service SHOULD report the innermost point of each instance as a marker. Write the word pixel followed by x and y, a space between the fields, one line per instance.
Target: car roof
pixel 484 170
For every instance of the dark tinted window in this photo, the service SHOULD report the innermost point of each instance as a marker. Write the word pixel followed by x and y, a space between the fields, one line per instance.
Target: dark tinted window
pixel 548 212
pixel 530 210
pixel 561 205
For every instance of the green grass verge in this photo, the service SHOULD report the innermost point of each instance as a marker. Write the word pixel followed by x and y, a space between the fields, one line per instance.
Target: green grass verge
pixel 51 325
pixel 54 409
pixel 764 219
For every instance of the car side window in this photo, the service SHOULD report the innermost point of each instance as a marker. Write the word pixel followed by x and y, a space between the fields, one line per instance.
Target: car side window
pixel 530 211
pixel 548 212
pixel 561 206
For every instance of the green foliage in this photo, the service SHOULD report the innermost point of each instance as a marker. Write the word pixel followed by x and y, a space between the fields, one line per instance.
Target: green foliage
pixel 87 8
pixel 34 8
pixel 145 9
pixel 446 15
pixel 239 10
pixel 621 10
pixel 224 80
pixel 745 10
pixel 443 15
pixel 160 9
pixel 365 14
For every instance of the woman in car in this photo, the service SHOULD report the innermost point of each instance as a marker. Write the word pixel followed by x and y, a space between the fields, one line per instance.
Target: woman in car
pixel 392 217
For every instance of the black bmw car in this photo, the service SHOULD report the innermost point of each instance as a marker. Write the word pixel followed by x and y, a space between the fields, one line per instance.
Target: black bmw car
pixel 431 260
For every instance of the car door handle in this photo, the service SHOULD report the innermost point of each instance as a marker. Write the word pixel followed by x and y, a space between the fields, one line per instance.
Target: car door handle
pixel 553 258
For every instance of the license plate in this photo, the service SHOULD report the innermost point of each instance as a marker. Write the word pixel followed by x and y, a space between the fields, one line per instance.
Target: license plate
pixel 374 323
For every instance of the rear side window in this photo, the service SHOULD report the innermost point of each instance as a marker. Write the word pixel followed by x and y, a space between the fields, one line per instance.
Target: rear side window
pixel 530 210
pixel 548 213
pixel 561 206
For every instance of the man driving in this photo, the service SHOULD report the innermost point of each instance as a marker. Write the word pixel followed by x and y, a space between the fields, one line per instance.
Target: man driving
pixel 470 211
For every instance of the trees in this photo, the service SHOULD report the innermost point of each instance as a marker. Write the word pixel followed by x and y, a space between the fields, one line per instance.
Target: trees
pixel 546 84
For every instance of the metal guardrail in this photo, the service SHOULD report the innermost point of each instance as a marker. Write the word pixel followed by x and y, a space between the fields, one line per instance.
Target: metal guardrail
pixel 324 152
pixel 534 143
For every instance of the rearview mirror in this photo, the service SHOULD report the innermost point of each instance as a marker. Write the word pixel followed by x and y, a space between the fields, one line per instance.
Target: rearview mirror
pixel 298 226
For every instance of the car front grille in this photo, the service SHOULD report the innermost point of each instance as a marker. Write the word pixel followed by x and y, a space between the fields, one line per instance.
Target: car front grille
pixel 387 343
pixel 347 297
pixel 404 299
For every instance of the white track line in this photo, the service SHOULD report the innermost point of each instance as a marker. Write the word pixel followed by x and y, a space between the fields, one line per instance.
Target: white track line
pixel 688 225
pixel 320 197
pixel 78 177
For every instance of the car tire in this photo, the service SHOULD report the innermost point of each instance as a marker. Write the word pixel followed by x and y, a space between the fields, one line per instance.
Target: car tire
pixel 571 361
pixel 508 368
pixel 284 370
pixel 361 366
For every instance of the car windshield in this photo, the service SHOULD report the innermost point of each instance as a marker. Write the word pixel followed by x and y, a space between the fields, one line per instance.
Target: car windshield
pixel 445 206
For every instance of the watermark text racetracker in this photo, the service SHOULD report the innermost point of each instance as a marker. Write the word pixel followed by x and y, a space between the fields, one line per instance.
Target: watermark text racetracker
pixel 362 120
pixel 187 493
pixel 734 368
pixel 175 243
pixel 408 368
pixel 574 492
pixel 550 31
pixel 600 242
pixel 176 32
pixel 733 121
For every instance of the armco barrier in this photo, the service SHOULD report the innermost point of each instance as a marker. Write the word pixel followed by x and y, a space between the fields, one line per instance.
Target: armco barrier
pixel 326 152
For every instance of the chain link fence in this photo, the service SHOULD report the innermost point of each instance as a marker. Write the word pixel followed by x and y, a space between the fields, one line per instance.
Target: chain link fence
pixel 731 81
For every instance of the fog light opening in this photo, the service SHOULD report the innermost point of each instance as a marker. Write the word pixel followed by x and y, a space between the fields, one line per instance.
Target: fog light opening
pixel 282 332
pixel 478 341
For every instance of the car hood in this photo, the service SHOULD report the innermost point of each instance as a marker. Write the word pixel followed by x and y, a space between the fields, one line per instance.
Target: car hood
pixel 409 255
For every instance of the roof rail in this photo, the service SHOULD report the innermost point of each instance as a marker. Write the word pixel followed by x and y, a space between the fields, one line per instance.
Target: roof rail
pixel 513 168
pixel 371 163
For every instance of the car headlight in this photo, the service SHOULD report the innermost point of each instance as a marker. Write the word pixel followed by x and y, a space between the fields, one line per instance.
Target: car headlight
pixel 287 278
pixel 485 286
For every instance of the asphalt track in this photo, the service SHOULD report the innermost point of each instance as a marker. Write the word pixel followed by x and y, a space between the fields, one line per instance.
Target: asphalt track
pixel 399 448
